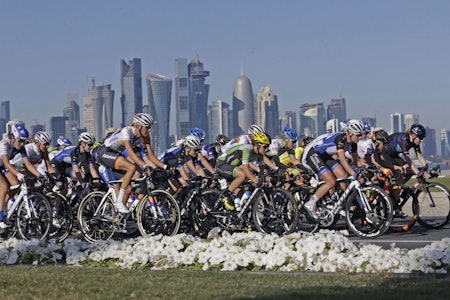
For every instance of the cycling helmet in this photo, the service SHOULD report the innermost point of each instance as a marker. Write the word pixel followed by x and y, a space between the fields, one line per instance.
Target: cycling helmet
pixel 87 138
pixel 192 142
pixel 367 128
pixel 253 129
pixel 306 141
pixel 222 139
pixel 355 127
pixel 343 125
pixel 261 138
pixel 63 141
pixel 143 119
pixel 18 131
pixel 380 136
pixel 43 137
pixel 290 133
pixel 198 132
pixel 419 130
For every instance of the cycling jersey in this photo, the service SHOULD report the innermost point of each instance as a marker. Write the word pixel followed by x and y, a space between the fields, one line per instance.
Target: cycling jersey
pixel 240 139
pixel 175 157
pixel 399 145
pixel 125 134
pixel 365 150
pixel 6 148
pixel 70 156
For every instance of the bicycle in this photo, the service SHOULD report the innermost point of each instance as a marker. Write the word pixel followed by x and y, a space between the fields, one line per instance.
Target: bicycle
pixel 366 207
pixel 153 212
pixel 269 209
pixel 30 215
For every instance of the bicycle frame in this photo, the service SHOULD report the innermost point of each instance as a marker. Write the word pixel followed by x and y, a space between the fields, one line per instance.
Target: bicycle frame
pixel 22 197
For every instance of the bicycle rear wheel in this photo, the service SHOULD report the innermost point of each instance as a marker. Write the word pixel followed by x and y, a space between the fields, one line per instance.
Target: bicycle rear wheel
pixel 34 226
pixel 63 212
pixel 158 213
pixel 434 205
pixel 374 224
pixel 204 214
pixel 275 212
pixel 100 226
pixel 410 208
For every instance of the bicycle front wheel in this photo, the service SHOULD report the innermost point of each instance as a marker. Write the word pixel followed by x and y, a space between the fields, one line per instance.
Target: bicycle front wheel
pixel 62 211
pixel 410 208
pixel 96 218
pixel 38 224
pixel 369 225
pixel 158 213
pixel 275 212
pixel 434 205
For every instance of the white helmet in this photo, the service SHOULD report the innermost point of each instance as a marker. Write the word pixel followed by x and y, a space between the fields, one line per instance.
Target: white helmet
pixel 86 137
pixel 192 142
pixel 253 129
pixel 143 119
pixel 355 127
pixel 43 137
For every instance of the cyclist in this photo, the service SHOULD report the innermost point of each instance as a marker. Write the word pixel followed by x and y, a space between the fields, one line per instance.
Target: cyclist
pixel 396 153
pixel 186 160
pixel 109 154
pixel 9 175
pixel 325 156
pixel 365 147
pixel 38 154
pixel 244 138
pixel 212 151
pixel 195 131
pixel 236 164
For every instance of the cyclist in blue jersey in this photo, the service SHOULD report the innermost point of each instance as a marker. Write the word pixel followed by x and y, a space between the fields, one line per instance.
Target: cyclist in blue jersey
pixel 397 153
pixel 325 156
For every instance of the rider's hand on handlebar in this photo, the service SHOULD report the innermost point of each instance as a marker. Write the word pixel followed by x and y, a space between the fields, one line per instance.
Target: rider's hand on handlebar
pixel 386 171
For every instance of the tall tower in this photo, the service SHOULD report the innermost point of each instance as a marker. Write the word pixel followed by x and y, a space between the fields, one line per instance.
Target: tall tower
pixel 312 119
pixel 131 84
pixel 266 112
pixel 397 123
pixel 72 112
pixel 98 109
pixel 410 119
pixel 289 118
pixel 243 109
pixel 337 110
pixel 181 97
pixel 5 116
pixel 220 119
pixel 159 91
pixel 198 95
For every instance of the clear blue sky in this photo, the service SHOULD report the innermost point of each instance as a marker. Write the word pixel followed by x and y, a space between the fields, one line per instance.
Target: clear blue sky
pixel 382 56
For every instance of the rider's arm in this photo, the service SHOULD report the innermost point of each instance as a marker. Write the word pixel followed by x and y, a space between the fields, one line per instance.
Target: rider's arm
pixel 205 163
pixel 30 167
pixel 151 155
pixel 249 174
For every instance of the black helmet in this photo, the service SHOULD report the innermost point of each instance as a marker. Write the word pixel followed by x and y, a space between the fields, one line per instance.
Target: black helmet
pixel 419 130
pixel 306 141
pixel 222 139
pixel 380 136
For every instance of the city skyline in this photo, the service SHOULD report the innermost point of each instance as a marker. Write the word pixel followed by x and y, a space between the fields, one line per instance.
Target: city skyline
pixel 382 57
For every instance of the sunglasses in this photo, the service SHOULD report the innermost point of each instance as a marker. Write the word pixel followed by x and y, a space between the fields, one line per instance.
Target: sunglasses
pixel 264 146
pixel 21 141
pixel 90 145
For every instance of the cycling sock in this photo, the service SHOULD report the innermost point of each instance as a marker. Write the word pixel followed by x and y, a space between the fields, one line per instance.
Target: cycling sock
pixel 121 194
pixel 1 215
pixel 314 199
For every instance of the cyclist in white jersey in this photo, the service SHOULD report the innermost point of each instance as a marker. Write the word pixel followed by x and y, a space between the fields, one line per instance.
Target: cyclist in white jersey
pixel 365 147
pixel 244 138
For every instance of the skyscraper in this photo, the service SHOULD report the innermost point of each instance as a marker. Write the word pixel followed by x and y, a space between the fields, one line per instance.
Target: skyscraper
pixel 397 123
pixel 337 110
pixel 72 112
pixel 312 119
pixel 131 87
pixel 429 143
pixel 243 109
pixel 198 95
pixel 410 119
pixel 266 112
pixel 289 119
pixel 445 146
pixel 220 120
pixel 98 109
pixel 58 128
pixel 5 116
pixel 181 97
pixel 159 91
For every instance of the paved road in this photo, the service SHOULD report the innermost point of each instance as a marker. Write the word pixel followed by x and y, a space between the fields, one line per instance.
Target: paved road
pixel 417 237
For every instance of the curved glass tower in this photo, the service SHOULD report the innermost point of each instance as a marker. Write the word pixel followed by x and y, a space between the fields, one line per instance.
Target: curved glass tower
pixel 243 110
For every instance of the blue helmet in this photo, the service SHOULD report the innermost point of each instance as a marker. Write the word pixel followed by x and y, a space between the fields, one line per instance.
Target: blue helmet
pixel 198 132
pixel 19 131
pixel 367 128
pixel 63 141
pixel 290 133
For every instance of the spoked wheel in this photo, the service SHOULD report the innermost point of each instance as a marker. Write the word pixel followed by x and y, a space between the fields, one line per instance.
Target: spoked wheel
pixel 203 211
pixel 62 212
pixel 275 212
pixel 37 225
pixel 373 224
pixel 434 204
pixel 158 213
pixel 410 209
pixel 96 223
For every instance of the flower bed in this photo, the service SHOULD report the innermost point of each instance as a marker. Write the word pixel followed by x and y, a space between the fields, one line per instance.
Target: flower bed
pixel 325 251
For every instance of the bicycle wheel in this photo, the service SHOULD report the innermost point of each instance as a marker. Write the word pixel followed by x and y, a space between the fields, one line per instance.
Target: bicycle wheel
pixel 203 215
pixel 369 225
pixel 37 225
pixel 62 211
pixel 410 208
pixel 434 205
pixel 158 213
pixel 100 226
pixel 275 212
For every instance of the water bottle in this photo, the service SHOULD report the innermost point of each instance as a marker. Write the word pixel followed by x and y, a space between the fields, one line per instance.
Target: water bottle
pixel 136 202
pixel 237 203
pixel 245 197
pixel 10 203
pixel 223 183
